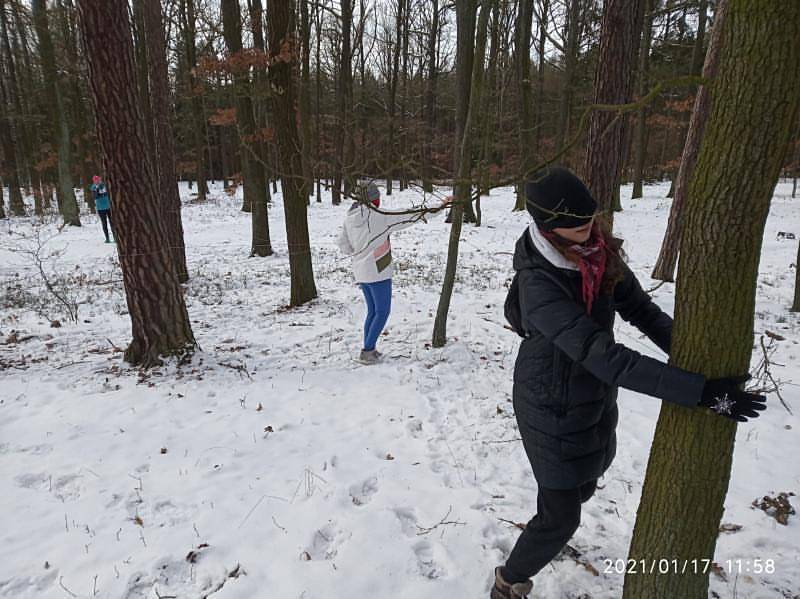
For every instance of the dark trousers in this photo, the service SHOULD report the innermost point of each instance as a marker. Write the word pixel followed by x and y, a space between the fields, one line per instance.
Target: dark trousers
pixel 558 514
pixel 105 220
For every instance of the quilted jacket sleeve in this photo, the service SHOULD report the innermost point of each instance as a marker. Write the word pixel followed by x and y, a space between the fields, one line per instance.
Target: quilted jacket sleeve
pixel 636 307
pixel 548 308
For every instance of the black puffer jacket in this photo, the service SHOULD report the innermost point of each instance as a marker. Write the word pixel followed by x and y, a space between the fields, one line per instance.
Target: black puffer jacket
pixel 569 367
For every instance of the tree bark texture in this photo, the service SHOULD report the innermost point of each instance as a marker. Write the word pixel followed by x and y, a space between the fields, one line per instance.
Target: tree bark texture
pixel 159 318
pixel 664 269
pixel 162 134
pixel 619 47
pixel 283 44
pixel 755 101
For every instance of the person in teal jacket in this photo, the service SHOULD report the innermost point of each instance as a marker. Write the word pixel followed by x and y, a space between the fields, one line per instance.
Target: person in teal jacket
pixel 102 203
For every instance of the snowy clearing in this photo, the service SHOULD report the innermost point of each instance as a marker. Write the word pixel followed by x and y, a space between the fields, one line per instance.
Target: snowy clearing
pixel 273 465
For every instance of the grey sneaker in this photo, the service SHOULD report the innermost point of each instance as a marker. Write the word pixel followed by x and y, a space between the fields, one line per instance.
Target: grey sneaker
pixel 369 357
pixel 503 590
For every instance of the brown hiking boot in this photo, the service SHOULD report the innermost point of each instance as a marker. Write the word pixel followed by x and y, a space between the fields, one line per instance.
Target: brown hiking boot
pixel 503 590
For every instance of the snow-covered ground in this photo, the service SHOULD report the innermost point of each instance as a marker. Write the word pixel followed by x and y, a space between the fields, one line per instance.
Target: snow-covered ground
pixel 275 466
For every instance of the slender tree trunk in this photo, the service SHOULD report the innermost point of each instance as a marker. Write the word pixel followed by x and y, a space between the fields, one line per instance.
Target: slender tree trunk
pixel 58 114
pixel 487 126
pixel 255 183
pixel 305 99
pixel 430 99
pixel 527 150
pixel 189 31
pixel 690 460
pixel 664 269
pixel 465 15
pixel 11 128
pixel 640 137
pixel 281 33
pixel 394 76
pixel 318 107
pixel 403 174
pixel 568 87
pixel 465 55
pixel 344 92
pixel 619 47
pixel 162 134
pixel 158 313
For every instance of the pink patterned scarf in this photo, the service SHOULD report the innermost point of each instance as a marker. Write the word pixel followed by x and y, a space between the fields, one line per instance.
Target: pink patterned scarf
pixel 593 257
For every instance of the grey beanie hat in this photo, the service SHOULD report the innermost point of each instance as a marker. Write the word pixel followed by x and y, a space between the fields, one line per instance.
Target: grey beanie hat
pixel 372 193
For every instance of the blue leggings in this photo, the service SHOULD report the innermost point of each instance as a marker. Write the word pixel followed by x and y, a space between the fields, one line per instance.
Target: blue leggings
pixel 379 305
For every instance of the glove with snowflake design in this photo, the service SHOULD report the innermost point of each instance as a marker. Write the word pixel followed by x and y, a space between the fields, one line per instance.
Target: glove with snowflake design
pixel 725 397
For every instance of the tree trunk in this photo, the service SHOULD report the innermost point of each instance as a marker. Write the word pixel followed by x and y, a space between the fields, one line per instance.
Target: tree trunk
pixel 619 47
pixel 158 313
pixel 487 127
pixel 57 113
pixel 12 127
pixel 755 101
pixel 305 99
pixel 465 55
pixel 522 64
pixel 568 87
pixel 640 137
pixel 430 99
pixel 189 30
pixel 344 92
pixel 391 101
pixel 465 15
pixel 664 269
pixel 255 183
pixel 164 151
pixel 281 32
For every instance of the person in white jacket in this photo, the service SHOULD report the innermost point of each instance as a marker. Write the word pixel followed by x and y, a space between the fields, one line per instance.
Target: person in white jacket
pixel 365 238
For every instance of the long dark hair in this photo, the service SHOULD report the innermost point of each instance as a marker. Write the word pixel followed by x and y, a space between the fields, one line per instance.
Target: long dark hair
pixel 615 256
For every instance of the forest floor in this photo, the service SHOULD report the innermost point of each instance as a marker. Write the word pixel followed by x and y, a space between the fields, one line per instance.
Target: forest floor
pixel 273 465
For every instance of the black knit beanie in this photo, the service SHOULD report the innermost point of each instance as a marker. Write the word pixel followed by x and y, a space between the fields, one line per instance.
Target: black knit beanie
pixel 556 198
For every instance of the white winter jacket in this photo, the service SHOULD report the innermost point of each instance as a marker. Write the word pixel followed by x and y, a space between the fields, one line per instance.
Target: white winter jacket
pixel 364 237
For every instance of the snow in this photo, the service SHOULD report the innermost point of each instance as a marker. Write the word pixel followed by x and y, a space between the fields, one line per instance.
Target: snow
pixel 274 465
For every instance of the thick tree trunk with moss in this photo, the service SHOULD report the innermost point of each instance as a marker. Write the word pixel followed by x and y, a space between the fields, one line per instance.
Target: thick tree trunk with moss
pixel 255 182
pixel 158 313
pixel 619 46
pixel 58 114
pixel 466 26
pixel 755 101
pixel 664 269
pixel 293 182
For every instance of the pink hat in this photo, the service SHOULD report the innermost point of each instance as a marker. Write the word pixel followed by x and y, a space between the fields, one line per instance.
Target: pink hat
pixel 96 179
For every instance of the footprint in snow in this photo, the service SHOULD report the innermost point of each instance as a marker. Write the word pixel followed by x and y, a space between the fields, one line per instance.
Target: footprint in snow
pixel 361 493
pixel 428 566
pixel 408 520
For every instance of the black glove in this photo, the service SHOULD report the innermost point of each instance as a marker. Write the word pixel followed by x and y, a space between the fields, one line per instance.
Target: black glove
pixel 726 398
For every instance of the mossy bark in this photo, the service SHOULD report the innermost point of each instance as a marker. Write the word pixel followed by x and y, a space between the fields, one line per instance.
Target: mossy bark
pixel 755 100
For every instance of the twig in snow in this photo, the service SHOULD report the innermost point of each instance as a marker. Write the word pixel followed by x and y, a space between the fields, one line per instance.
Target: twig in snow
pixel 515 524
pixel 443 522
pixel 61 584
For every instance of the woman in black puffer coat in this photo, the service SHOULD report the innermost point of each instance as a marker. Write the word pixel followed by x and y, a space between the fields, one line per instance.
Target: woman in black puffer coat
pixel 571 282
